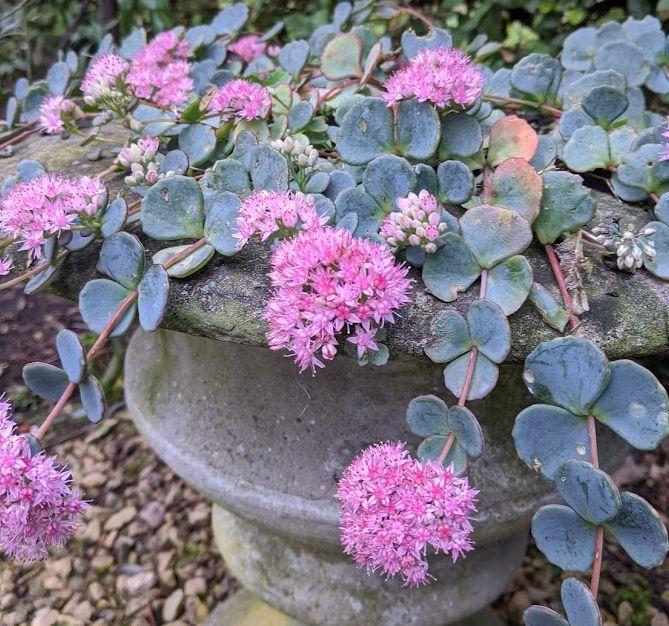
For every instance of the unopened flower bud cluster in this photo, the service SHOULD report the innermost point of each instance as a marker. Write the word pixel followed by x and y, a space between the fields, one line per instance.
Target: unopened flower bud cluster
pixel 417 223
pixel 630 248
pixel 140 159
pixel 304 155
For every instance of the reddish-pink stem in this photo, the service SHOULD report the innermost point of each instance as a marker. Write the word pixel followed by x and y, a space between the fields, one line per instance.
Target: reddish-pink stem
pixel 30 273
pixel 18 138
pixel 559 277
pixel 599 533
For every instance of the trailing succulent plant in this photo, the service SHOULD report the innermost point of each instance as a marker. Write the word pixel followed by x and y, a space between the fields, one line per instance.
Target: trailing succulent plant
pixel 357 155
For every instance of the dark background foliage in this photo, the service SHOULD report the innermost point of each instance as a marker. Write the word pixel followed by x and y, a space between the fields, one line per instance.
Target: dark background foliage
pixel 32 31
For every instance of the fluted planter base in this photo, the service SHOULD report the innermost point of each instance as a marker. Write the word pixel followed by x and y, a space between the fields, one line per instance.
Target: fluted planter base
pixel 268 445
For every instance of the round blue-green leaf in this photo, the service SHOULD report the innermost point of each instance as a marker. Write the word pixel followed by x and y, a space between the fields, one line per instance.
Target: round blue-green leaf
pixel 92 398
pixel 543 616
pixel 342 56
pixel 564 537
pixel 662 209
pixel 156 121
pixel 625 192
pixel 412 44
pixel 192 263
pixel 579 604
pixel 636 168
pixel 587 149
pixel 11 111
pixel 449 337
pixel 509 283
pixel 451 269
pixel 175 161
pixel 231 19
pixel 516 186
pixel 494 234
pixel 634 405
pixel 569 372
pixel 226 175
pixel 269 169
pixel 339 180
pixel 537 75
pixel 483 379
pixel 461 136
pixel 152 293
pixel 98 302
pixel 173 208
pixel 426 178
pixel 387 178
pixel 571 121
pixel 200 36
pixel 430 450
pixel 198 142
pixel 29 169
pixel 122 258
pixel 366 132
pixel 467 430
pixel 245 147
pixel 71 354
pixel 348 222
pixel 640 531
pixel 418 129
pixel 354 201
pixel 626 58
pixel 114 217
pixel 318 183
pixel 46 381
pixel 300 115
pixel 489 329
pixel 35 95
pixel 58 77
pixel 220 224
pixel 133 43
pixel 604 104
pixel 545 154
pixel 579 49
pixel 546 436
pixel 41 280
pixel 566 206
pixel 550 310
pixel 588 490
pixel 456 182
pixel 293 56
pixel 427 415
pixel 659 264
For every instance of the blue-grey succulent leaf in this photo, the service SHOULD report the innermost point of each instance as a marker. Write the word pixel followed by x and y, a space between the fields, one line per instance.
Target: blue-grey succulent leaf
pixel 269 169
pixel 588 490
pixel 456 182
pixel 550 310
pixel 71 355
pixel 173 208
pixel 579 604
pixel 467 430
pixel 231 19
pixel 546 436
pixel 152 293
pixel 569 372
pixel 537 75
pixel 461 136
pixel 579 49
pixel 198 142
pixel 300 115
pixel 192 263
pixel 587 149
pixel 543 616
pixel 565 538
pixel 293 56
pixel 114 217
pixel 418 129
pixel 427 415
pixel 412 44
pixel 658 265
pixel 369 214
pixel 122 258
pixel 387 178
pixel 175 161
pixel 45 380
pixel 220 225
pixel 483 381
pixel 92 398
pixel 58 78
pixel 640 531
pixel 509 283
pixel 489 329
pixel 604 104
pixel 98 302
pixel 449 337
pixel 626 58
pixel 634 405
pixel 430 450
pixel 451 269
pixel 516 186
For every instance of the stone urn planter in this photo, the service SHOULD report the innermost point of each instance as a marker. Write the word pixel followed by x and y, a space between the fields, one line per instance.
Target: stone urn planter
pixel 268 445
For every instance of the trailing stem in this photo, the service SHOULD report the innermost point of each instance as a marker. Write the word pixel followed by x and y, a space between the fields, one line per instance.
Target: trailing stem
pixel 517 103
pixel 30 273
pixel 599 533
pixel 559 277
pixel 19 137
pixel 469 374
pixel 104 336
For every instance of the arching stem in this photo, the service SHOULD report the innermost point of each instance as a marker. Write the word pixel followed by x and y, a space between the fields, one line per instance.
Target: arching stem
pixel 18 138
pixel 599 533
pixel 559 277
pixel 516 103
pixel 30 273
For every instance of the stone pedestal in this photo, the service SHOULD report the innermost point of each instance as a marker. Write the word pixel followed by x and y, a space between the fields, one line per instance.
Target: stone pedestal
pixel 267 445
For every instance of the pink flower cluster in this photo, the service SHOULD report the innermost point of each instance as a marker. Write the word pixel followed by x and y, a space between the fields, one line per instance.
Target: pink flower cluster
pixel 326 282
pixel 443 76
pixel 417 223
pixel 143 151
pixel 38 507
pixel 53 111
pixel 248 48
pixel 34 210
pixel 393 508
pixel 665 148
pixel 105 78
pixel 241 98
pixel 282 213
pixel 159 71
